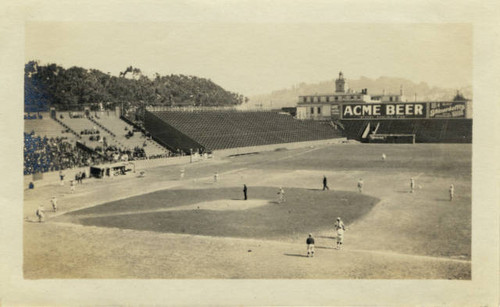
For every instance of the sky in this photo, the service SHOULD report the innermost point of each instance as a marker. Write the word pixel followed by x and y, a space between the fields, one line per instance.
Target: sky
pixel 256 58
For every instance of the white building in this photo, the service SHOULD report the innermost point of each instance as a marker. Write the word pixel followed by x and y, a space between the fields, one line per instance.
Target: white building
pixel 326 106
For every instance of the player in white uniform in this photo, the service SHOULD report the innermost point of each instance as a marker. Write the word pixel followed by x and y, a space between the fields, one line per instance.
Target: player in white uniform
pixel 360 185
pixel 340 228
pixel 383 157
pixel 340 237
pixel 452 191
pixel 182 173
pixel 412 185
pixel 40 213
pixel 281 195
pixel 53 201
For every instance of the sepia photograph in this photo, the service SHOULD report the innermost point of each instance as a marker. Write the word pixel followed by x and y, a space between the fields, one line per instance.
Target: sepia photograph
pixel 316 156
pixel 272 151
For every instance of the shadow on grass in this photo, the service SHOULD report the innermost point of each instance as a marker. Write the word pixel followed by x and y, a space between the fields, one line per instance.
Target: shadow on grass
pixel 404 192
pixel 325 247
pixel 296 255
pixel 327 237
pixel 315 189
pixel 443 199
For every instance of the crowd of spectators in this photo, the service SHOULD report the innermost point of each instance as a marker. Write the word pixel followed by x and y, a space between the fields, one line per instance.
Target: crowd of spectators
pixel 76 115
pixel 165 155
pixel 89 131
pixel 42 154
pixel 34 116
pixel 115 154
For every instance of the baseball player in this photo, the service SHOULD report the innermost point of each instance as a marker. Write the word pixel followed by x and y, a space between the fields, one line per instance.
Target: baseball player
pixel 61 177
pixel 340 237
pixel 281 196
pixel 383 157
pixel 360 185
pixel 72 186
pixel 412 185
pixel 182 173
pixel 452 191
pixel 339 224
pixel 310 246
pixel 245 189
pixel 216 177
pixel 340 228
pixel 40 213
pixel 53 201
pixel 325 183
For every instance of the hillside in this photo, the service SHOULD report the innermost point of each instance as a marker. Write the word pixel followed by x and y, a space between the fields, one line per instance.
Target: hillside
pixel 53 85
pixel 289 96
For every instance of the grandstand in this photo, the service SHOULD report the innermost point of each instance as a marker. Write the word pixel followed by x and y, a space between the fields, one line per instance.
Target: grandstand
pixel 107 125
pixel 43 125
pixel 118 129
pixel 72 139
pixel 425 130
pixel 215 130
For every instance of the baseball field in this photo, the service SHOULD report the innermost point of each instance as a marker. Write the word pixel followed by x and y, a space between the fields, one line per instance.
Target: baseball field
pixel 165 226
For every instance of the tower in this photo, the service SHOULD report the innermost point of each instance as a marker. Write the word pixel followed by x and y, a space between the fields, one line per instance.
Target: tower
pixel 340 84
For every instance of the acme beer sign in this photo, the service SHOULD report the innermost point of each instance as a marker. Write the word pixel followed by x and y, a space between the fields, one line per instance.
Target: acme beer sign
pixel 384 110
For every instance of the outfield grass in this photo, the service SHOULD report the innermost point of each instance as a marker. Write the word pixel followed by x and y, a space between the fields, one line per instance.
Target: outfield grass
pixel 436 159
pixel 304 211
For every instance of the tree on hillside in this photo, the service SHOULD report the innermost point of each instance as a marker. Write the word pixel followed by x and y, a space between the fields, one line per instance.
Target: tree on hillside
pixel 71 88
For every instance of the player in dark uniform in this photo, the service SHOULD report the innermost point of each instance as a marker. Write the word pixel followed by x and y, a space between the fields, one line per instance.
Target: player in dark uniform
pixel 325 183
pixel 245 191
pixel 310 246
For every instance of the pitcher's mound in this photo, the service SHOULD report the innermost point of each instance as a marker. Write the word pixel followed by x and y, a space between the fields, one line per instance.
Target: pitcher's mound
pixel 223 205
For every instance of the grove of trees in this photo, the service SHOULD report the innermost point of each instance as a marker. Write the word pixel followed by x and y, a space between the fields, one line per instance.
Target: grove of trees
pixel 68 89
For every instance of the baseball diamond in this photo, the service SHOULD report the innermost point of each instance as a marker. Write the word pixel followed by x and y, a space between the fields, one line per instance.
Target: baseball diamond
pixel 193 228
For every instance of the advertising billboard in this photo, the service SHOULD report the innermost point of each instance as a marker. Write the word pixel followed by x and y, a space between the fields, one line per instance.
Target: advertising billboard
pixel 384 110
pixel 447 109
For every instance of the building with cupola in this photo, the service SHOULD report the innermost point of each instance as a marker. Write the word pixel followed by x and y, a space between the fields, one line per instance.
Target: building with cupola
pixel 324 106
